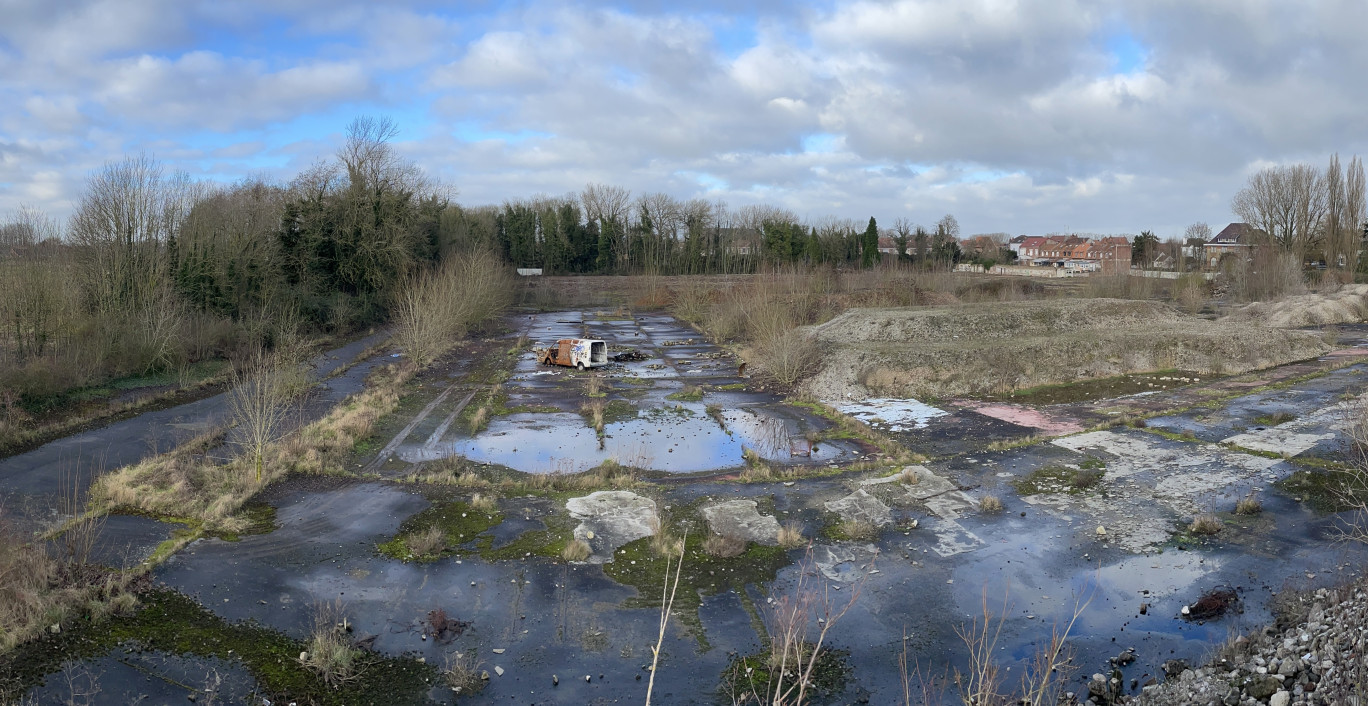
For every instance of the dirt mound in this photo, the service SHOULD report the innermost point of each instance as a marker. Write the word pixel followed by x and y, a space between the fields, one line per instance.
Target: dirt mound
pixel 1347 305
pixel 998 320
pixel 979 349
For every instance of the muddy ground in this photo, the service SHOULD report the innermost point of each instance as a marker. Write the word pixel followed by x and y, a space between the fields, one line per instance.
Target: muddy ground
pixel 719 453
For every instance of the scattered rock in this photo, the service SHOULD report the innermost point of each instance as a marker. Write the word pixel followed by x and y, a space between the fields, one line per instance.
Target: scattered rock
pixel 742 519
pixel 611 518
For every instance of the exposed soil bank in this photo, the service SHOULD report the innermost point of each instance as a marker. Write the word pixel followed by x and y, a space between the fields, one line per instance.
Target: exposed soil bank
pixel 1348 305
pixel 993 349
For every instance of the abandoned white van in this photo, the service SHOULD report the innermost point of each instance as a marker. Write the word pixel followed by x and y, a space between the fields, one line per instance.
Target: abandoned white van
pixel 578 353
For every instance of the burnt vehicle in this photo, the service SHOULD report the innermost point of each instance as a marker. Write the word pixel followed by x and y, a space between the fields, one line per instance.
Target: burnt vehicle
pixel 579 353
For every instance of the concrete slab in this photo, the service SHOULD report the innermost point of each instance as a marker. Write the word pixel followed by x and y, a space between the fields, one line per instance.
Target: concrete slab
pixel 610 519
pixel 742 519
pixel 861 505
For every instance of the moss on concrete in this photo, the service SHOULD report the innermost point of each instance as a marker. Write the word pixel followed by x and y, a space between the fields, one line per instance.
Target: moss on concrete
pixel 459 522
pixel 172 623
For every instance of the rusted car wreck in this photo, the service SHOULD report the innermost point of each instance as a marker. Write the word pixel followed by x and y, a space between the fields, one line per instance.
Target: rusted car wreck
pixel 575 353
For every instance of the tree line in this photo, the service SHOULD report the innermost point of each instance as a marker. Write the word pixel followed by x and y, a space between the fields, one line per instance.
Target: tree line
pixel 155 271
pixel 605 230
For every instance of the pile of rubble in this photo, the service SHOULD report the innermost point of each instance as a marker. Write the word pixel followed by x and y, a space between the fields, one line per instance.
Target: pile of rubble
pixel 1321 658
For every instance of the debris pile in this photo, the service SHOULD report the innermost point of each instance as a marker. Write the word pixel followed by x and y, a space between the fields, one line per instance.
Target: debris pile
pixel 1320 659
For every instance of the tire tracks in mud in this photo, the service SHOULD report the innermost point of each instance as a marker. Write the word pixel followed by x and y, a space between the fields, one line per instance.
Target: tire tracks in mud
pixel 398 439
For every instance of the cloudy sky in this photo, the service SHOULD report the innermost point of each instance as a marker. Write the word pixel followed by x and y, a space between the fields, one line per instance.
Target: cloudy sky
pixel 1020 116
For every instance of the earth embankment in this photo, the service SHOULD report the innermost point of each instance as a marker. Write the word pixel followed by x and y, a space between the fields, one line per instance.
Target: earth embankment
pixel 990 349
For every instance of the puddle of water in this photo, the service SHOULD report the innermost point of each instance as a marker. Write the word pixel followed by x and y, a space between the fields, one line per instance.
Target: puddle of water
pixel 682 439
pixel 1105 388
pixel 897 415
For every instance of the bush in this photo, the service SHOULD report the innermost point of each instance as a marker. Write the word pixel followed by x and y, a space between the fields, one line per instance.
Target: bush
pixel 990 504
pixel 433 308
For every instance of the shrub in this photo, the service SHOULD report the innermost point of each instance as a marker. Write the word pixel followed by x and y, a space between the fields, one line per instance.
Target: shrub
pixel 434 308
pixel 990 504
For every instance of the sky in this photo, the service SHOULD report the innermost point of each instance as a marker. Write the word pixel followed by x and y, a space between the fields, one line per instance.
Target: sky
pixel 1015 116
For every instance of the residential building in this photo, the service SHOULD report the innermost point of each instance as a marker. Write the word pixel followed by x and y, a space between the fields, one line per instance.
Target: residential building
pixel 1234 239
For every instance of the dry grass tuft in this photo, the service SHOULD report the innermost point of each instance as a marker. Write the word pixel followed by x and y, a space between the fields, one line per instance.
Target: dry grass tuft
pixel 724 546
pixel 593 411
pixel 791 535
pixel 607 476
pixel 576 550
pixel 330 653
pixel 991 504
pixel 909 476
pixel 463 674
pixel 859 530
pixel 664 542
pixel 593 385
pixel 1248 505
pixel 479 419
pixel 1205 524
pixel 429 542
pixel 484 503
pixel 187 482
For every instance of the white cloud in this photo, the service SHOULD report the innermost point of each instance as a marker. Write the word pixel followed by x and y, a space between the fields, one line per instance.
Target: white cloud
pixel 1004 111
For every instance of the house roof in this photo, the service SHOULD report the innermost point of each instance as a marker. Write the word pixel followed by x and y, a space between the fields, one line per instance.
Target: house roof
pixel 1236 234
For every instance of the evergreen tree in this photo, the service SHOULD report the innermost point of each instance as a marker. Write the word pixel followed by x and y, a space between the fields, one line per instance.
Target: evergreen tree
pixel 869 245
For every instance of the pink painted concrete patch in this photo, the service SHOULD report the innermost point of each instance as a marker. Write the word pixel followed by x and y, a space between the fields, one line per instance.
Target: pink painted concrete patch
pixel 1055 425
pixel 1347 353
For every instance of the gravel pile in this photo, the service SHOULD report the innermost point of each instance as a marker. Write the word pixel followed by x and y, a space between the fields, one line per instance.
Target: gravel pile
pixel 1319 659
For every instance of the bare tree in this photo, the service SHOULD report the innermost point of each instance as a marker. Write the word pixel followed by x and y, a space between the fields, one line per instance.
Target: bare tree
pixel 120 225
pixel 258 403
pixel 902 234
pixel 1197 231
pixel 1344 213
pixel 1287 202
pixel 370 159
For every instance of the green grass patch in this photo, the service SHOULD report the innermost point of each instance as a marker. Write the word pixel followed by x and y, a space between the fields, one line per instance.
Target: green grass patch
pixel 1323 490
pixel 458 521
pixel 756 674
pixel 732 387
pixel 691 393
pixel 618 411
pixel 545 543
pixel 1060 479
pixel 636 564
pixel 1274 419
pixel 174 624
pixel 1101 388
pixel 260 520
